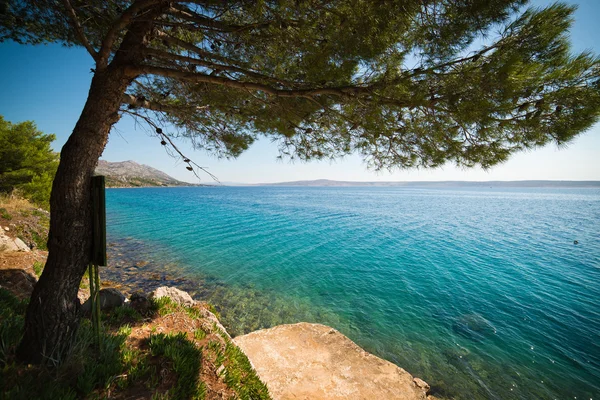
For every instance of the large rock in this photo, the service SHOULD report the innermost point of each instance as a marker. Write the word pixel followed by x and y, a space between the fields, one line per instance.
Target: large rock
pixel 109 298
pixel 313 361
pixel 178 296
pixel 9 244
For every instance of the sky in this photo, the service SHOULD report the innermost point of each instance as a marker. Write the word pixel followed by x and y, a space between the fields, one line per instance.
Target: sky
pixel 48 84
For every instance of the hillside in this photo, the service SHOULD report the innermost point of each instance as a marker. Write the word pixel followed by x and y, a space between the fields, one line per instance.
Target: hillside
pixel 444 184
pixel 132 174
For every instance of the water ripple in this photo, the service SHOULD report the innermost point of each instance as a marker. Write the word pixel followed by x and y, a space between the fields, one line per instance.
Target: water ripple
pixel 482 292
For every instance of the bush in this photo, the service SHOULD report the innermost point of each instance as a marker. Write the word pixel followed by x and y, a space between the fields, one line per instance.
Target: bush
pixel 27 162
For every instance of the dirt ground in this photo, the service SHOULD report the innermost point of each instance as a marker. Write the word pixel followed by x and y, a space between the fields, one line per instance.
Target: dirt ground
pixel 16 271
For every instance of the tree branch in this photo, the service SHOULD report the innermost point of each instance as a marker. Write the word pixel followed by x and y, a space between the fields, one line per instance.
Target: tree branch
pixel 196 61
pixel 79 29
pixel 189 15
pixel 118 26
pixel 342 91
pixel 138 102
pixel 165 139
pixel 194 49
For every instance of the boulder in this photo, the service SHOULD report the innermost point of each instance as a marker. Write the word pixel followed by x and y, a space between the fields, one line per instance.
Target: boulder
pixel 139 302
pixel 9 244
pixel 18 282
pixel 109 298
pixel 178 296
pixel 313 361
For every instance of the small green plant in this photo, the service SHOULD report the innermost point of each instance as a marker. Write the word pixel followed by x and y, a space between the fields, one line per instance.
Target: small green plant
pixel 241 377
pixel 121 315
pixel 85 282
pixel 135 362
pixel 199 334
pixel 4 214
pixel 164 306
pixel 12 312
pixel 40 241
pixel 39 213
pixel 38 267
pixel 213 310
pixel 125 330
pixel 186 363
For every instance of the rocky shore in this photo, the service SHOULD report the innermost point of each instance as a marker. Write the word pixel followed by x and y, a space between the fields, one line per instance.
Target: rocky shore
pixel 298 361
pixel 313 361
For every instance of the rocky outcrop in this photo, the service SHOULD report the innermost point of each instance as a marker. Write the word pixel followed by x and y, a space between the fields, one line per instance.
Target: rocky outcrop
pixel 313 361
pixel 11 244
pixel 178 296
pixel 184 299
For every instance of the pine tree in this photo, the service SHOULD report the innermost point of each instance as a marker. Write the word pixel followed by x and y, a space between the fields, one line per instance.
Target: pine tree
pixel 27 162
pixel 413 83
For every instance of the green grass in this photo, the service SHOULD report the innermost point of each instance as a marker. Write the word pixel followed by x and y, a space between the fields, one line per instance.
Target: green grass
pixel 168 366
pixel 38 267
pixel 185 360
pixel 4 214
pixel 239 374
pixel 164 306
pixel 199 334
pixel 122 315
pixel 86 369
pixel 213 310
pixel 41 241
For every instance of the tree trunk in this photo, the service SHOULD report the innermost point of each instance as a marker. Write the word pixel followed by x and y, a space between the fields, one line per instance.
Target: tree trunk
pixel 52 316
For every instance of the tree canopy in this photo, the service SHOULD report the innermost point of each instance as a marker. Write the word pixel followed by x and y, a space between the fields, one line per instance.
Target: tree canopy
pixel 27 162
pixel 405 84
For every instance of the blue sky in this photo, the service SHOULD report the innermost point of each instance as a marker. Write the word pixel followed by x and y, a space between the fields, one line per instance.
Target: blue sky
pixel 49 84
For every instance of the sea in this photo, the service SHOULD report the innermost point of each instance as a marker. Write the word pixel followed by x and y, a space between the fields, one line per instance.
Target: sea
pixel 485 293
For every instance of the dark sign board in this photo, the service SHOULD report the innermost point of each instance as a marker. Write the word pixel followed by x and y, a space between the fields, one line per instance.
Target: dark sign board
pixel 98 221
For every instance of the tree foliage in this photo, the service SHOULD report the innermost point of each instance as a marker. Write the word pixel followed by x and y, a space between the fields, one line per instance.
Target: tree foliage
pixel 27 162
pixel 406 84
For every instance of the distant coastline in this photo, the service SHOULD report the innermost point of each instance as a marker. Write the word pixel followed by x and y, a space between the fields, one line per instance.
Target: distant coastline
pixel 438 184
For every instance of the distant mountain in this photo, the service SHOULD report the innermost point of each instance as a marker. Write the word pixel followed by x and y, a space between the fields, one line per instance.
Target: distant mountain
pixel 438 184
pixel 132 174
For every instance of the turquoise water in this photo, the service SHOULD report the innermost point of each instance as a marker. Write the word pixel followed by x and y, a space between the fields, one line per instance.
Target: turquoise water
pixel 481 292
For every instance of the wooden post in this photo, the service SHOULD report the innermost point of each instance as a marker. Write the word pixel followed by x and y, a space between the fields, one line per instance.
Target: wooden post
pixel 98 256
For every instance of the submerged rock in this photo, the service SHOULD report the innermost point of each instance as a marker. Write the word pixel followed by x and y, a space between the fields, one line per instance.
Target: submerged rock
pixel 474 327
pixel 313 361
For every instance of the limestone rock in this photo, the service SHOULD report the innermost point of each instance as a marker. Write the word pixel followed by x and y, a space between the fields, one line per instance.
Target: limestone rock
pixel 422 384
pixel 313 361
pixel 109 298
pixel 178 296
pixel 208 319
pixel 9 244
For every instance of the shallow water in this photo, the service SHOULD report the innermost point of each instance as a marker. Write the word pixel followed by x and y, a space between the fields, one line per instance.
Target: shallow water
pixel 481 292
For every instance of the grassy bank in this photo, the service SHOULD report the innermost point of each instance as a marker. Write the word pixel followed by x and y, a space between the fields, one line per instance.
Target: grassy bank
pixel 166 351
pixel 25 220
